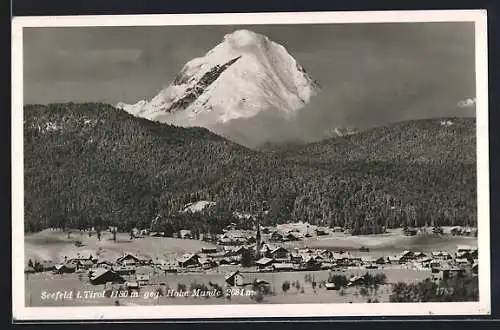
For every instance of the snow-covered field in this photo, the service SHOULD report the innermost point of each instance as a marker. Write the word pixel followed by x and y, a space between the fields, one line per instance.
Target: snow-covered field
pixel 54 245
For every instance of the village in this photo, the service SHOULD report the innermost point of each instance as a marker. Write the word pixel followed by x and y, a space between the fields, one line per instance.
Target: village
pixel 244 259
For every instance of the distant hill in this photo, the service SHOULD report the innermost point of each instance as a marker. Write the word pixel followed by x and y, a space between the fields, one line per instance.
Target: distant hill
pixel 428 141
pixel 92 164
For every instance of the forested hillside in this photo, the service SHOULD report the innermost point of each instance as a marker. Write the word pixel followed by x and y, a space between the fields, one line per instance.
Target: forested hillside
pixel 91 164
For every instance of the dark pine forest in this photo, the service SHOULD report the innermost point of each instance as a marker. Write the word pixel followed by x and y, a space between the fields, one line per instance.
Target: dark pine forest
pixel 93 165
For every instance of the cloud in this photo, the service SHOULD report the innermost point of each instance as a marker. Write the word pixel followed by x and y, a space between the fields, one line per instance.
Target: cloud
pixel 467 103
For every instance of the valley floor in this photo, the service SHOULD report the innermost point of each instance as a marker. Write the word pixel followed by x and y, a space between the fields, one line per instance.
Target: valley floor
pixel 54 245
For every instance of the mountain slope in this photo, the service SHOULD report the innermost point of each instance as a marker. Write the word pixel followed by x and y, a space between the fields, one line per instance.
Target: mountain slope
pixel 242 76
pixel 437 140
pixel 91 163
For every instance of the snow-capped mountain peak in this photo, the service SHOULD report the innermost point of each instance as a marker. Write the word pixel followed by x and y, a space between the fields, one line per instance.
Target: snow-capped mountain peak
pixel 243 75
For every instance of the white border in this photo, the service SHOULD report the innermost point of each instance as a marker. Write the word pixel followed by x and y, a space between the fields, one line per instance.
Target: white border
pixel 20 312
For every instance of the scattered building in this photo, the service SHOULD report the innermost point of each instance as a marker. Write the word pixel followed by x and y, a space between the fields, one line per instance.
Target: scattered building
pixel 321 231
pixel 185 234
pixel 264 262
pixel 65 268
pixel 188 260
pixel 142 279
pixel 279 253
pixel 103 276
pixel 234 278
pixel 283 267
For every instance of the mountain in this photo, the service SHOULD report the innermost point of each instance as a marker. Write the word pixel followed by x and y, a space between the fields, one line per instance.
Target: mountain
pixel 243 76
pixel 93 164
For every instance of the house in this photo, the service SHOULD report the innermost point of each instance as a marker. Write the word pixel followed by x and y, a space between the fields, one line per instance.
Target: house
pixel 104 264
pixel 356 280
pixel 321 231
pixel 456 272
pixel 394 259
pixel 283 267
pixel 265 250
pixel 224 261
pixel 338 229
pixel 144 232
pixel 264 262
pixel 368 259
pixel 276 236
pixel 311 264
pixel 238 251
pixel 456 231
pixel 437 231
pixel 188 260
pixel 279 253
pixel 331 286
pixel 128 259
pixel 208 250
pixel 135 232
pixel 157 234
pixel 462 262
pixel 85 264
pixel 434 264
pixel 132 286
pixel 295 257
pixel 419 255
pixel 103 276
pixel 326 254
pixel 207 263
pixel 291 236
pixel 440 255
pixel 406 256
pixel 446 272
pixel 185 234
pixel 381 260
pixel 342 259
pixel 142 279
pixel 65 268
pixel 463 248
pixel 124 270
pixel 234 278
pixel 410 231
pixel 327 265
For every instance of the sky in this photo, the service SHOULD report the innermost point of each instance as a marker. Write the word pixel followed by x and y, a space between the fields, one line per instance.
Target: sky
pixel 370 74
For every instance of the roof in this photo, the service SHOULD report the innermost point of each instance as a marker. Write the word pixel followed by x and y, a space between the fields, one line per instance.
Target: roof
pixel 185 231
pixel 368 258
pixel 205 260
pixel 187 257
pixel 231 274
pixel 278 249
pixel 283 266
pixel 405 252
pixel 264 261
pixel 464 247
pixel 132 284
pixel 99 272
pixel 66 265
pixel 461 260
pixel 437 253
